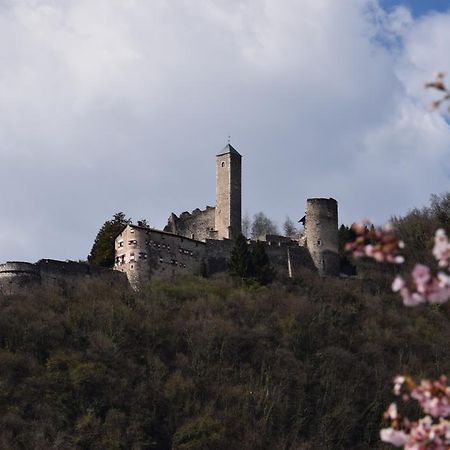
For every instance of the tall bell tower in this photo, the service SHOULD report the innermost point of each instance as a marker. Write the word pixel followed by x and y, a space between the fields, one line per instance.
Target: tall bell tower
pixel 228 215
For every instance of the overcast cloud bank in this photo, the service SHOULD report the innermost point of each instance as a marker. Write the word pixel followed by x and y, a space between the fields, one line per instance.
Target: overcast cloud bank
pixel 121 105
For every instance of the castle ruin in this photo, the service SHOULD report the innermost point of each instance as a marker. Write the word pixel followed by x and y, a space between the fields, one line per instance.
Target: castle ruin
pixel 199 242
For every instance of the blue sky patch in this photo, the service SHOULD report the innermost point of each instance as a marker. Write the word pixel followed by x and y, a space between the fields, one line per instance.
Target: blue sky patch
pixel 419 7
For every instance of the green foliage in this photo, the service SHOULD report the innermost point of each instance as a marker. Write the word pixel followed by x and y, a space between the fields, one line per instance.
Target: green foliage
pixel 240 264
pixel 417 229
pixel 201 433
pixel 250 265
pixel 196 363
pixel 262 271
pixel 345 234
pixel 102 253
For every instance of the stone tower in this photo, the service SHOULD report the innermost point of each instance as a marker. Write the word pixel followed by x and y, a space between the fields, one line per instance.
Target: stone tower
pixel 321 231
pixel 228 213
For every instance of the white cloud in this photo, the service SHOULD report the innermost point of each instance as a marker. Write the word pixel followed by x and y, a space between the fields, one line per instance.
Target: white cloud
pixel 110 105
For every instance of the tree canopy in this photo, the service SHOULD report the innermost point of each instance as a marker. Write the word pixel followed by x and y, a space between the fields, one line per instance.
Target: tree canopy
pixel 240 264
pixel 102 253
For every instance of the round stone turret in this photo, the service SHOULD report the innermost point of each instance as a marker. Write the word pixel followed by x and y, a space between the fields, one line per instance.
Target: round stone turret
pixel 14 275
pixel 321 231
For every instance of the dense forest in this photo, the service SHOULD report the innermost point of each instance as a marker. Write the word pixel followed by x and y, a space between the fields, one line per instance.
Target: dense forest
pixel 217 363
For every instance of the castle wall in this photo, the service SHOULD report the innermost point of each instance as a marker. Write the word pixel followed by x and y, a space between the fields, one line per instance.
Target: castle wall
pixel 57 273
pixel 198 225
pixel 217 255
pixel 321 231
pixel 16 275
pixel 142 253
pixel 289 260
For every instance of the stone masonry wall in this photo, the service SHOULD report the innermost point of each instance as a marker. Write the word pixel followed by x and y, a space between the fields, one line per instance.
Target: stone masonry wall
pixel 198 225
pixel 321 231
pixel 142 253
pixel 16 275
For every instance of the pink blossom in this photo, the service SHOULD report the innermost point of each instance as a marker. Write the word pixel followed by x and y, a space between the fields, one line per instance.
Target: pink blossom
pixel 441 249
pixel 421 276
pixel 431 432
pixel 379 244
pixel 426 435
pixel 433 396
pixel 398 283
pixel 425 287
pixel 394 437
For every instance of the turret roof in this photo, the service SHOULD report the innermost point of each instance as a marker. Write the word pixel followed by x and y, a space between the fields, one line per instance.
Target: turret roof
pixel 229 149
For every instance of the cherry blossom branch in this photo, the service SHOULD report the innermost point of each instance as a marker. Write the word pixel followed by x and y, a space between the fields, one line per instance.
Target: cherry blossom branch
pixel 380 244
pixel 424 286
pixel 431 432
pixel 440 86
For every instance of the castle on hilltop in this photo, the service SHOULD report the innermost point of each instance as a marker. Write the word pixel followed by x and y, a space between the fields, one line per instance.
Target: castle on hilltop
pixel 199 242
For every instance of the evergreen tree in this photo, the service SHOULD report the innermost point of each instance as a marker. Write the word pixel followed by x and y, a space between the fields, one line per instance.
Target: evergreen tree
pixel 143 223
pixel 345 234
pixel 240 264
pixel 263 272
pixel 102 253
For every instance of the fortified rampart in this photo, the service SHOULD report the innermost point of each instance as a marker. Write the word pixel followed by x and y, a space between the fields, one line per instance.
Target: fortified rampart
pixel 15 275
pixel 49 272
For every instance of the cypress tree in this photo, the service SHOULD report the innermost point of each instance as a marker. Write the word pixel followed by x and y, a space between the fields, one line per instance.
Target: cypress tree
pixel 240 260
pixel 263 272
pixel 102 253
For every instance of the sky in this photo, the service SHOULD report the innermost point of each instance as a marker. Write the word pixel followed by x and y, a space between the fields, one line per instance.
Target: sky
pixel 418 7
pixel 122 105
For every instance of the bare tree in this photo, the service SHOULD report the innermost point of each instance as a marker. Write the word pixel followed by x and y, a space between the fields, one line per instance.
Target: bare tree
pixel 262 225
pixel 289 228
pixel 246 224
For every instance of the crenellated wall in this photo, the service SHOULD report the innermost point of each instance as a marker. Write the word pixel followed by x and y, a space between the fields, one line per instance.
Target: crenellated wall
pixel 198 225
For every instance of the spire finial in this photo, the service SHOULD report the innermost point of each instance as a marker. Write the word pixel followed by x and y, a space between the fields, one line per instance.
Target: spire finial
pixel 229 138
